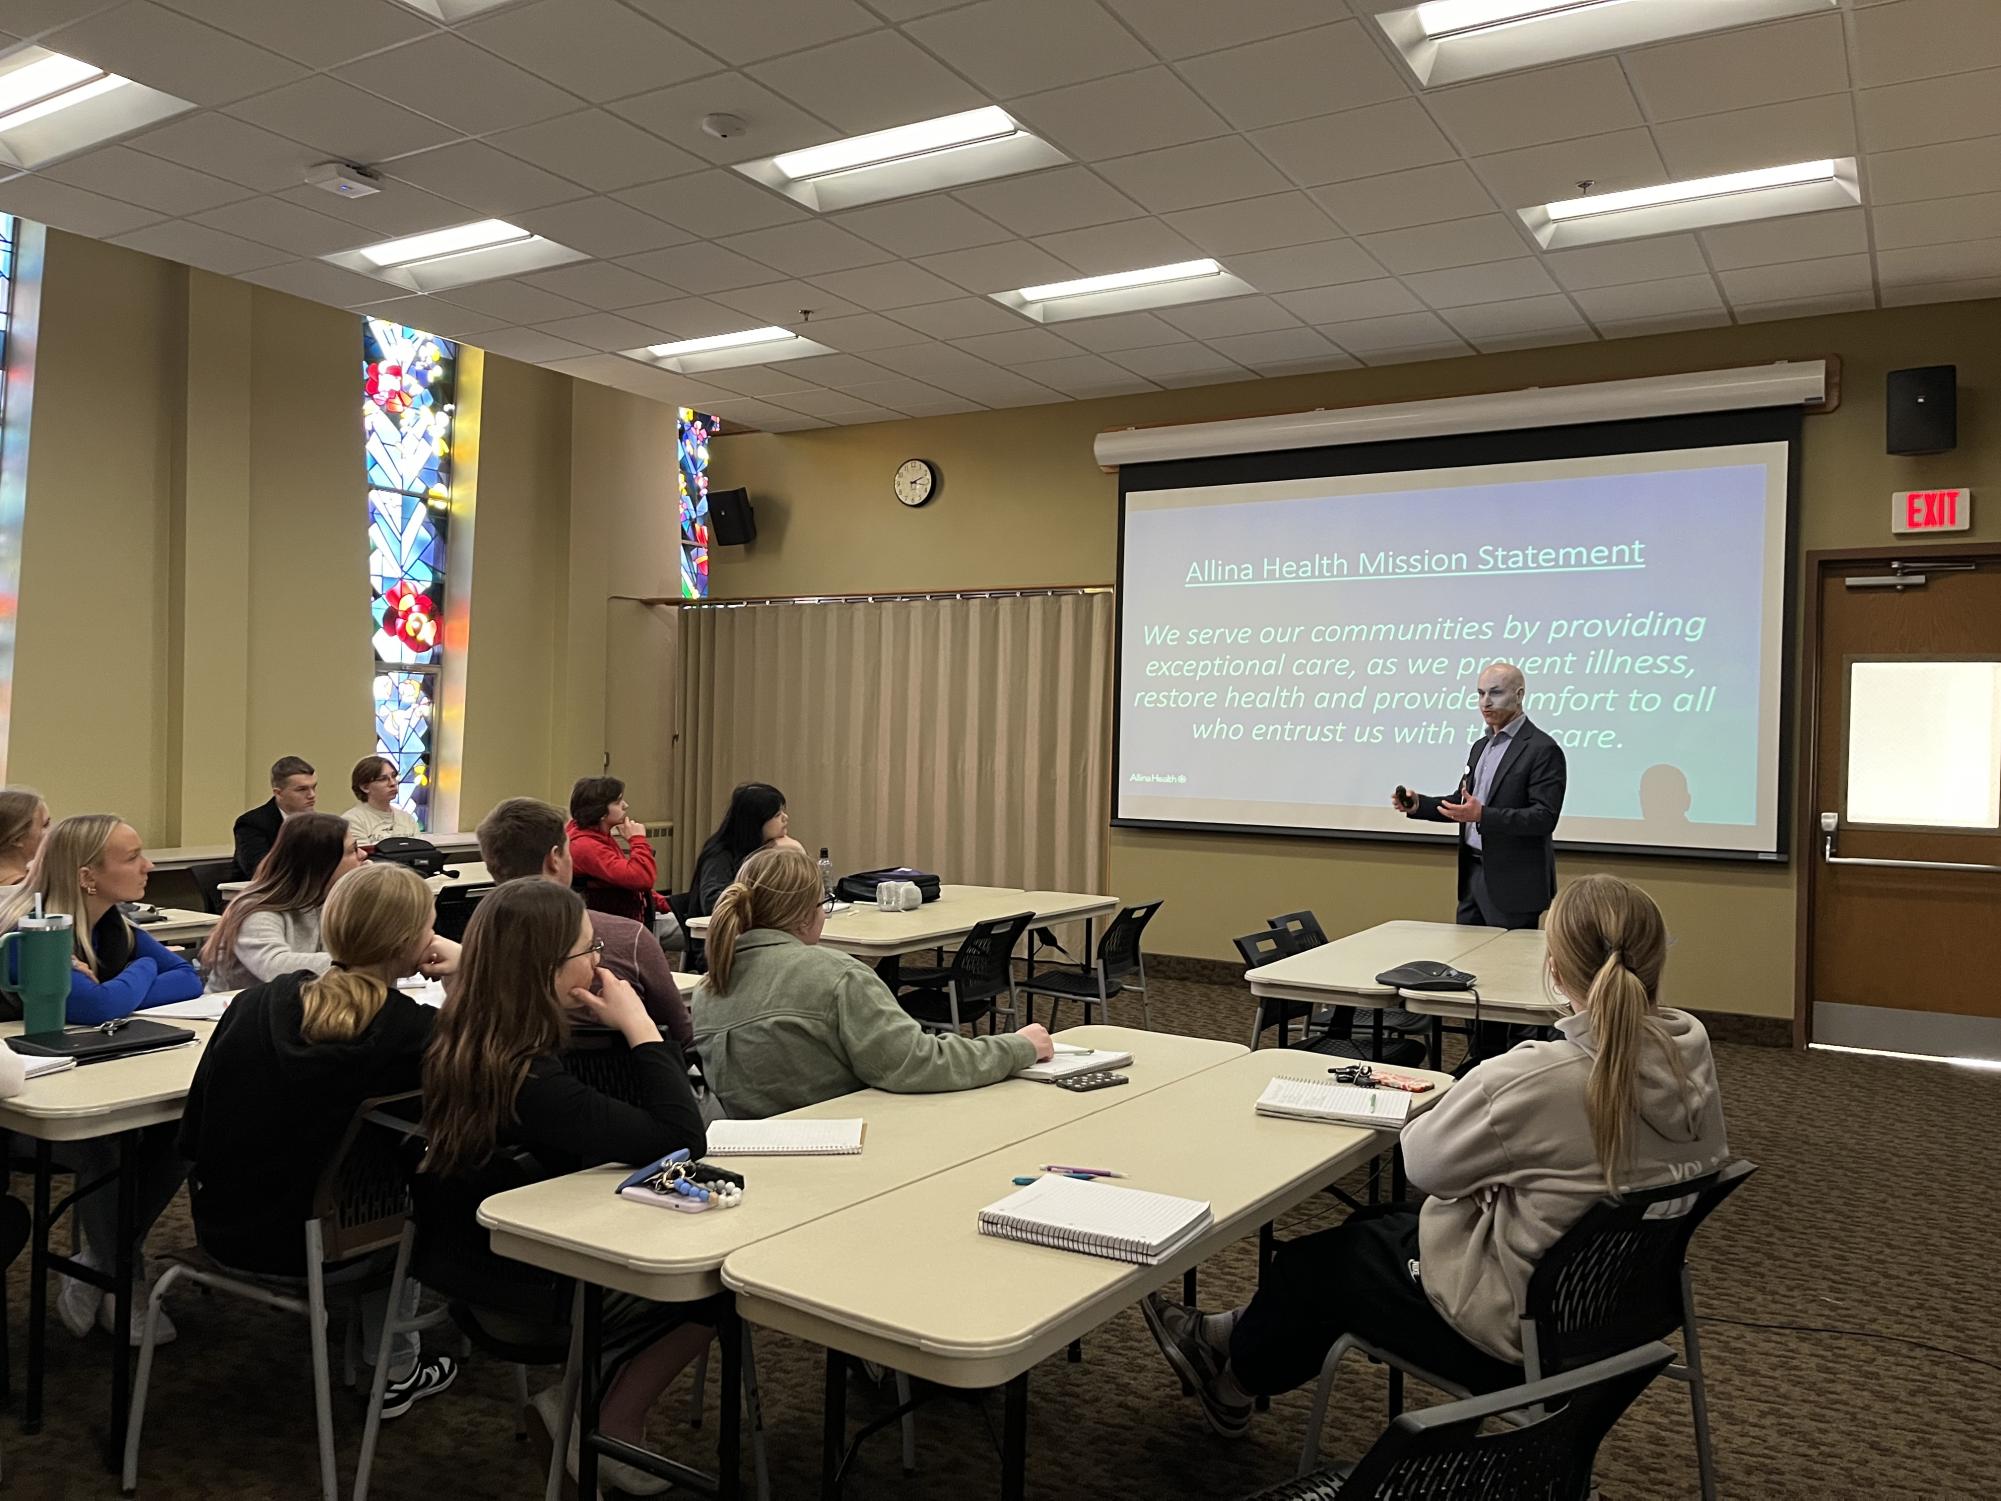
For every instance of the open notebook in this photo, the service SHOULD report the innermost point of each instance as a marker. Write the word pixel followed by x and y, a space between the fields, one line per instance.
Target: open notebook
pixel 1099 1219
pixel 785 1138
pixel 1072 1060
pixel 1344 1104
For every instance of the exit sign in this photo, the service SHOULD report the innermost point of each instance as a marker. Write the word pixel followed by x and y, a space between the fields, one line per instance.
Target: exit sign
pixel 1931 510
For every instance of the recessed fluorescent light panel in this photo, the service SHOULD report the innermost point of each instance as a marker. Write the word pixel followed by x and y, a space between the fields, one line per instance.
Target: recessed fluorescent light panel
pixel 1449 41
pixel 921 157
pixel 747 346
pixel 52 106
pixel 1124 292
pixel 456 256
pixel 1700 203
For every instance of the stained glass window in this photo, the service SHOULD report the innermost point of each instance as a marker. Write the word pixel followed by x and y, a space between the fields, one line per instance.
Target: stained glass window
pixel 696 430
pixel 406 419
pixel 6 295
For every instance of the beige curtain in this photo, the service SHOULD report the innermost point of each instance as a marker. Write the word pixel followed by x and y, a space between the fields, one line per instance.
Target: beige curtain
pixel 970 737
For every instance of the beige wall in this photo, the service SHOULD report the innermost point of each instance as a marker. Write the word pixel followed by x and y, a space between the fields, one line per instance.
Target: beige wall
pixel 1023 503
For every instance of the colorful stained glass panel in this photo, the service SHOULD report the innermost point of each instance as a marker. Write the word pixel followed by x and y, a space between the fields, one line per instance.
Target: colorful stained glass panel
pixel 696 430
pixel 406 577
pixel 694 573
pixel 408 380
pixel 403 725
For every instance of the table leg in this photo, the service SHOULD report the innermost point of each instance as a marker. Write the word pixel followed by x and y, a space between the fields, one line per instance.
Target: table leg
pixel 588 1395
pixel 1188 1287
pixel 1267 1244
pixel 729 1329
pixel 833 1426
pixel 1399 1184
pixel 38 1292
pixel 123 1275
pixel 1376 1035
pixel 1076 1352
pixel 1014 1441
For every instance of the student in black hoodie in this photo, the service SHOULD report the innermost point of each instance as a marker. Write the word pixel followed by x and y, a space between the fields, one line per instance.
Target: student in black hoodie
pixel 288 1065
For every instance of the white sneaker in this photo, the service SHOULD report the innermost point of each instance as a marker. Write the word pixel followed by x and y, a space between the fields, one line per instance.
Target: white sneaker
pixel 107 1317
pixel 77 1305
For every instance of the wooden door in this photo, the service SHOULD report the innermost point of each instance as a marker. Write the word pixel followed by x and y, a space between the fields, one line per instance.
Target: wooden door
pixel 1903 842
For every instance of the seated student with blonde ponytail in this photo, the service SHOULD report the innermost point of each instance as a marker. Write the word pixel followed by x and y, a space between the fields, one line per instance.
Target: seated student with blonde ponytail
pixel 282 1075
pixel 1512 1156
pixel 785 1022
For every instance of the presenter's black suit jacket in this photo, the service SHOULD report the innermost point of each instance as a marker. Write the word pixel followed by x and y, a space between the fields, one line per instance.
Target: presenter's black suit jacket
pixel 1516 825
pixel 256 831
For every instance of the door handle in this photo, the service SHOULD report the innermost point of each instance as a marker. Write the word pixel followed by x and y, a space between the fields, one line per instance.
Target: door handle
pixel 1834 859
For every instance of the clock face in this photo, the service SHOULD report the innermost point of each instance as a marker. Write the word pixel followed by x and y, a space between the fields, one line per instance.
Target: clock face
pixel 915 480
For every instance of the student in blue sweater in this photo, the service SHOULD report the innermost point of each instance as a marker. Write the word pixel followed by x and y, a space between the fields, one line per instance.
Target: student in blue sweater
pixel 87 866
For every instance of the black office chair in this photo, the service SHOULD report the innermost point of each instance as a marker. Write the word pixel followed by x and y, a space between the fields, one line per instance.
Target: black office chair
pixel 1119 965
pixel 454 910
pixel 1444 1452
pixel 694 958
pixel 972 985
pixel 208 877
pixel 1336 1039
pixel 1307 933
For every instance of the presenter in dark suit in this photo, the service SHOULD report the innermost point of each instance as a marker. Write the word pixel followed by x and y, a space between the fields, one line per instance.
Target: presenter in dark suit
pixel 295 788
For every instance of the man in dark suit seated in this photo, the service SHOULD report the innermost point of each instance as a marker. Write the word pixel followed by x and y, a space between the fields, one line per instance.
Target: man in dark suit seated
pixel 1506 807
pixel 295 788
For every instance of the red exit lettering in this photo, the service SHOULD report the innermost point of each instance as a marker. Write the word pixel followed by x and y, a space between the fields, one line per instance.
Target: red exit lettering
pixel 1931 510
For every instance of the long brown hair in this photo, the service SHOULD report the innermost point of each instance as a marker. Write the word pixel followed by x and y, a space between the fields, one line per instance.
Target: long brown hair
pixel 294 877
pixel 776 888
pixel 1608 934
pixel 374 917
pixel 498 1019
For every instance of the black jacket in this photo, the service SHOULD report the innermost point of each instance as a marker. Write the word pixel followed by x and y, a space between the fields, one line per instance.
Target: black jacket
pixel 1516 822
pixel 256 831
pixel 267 1111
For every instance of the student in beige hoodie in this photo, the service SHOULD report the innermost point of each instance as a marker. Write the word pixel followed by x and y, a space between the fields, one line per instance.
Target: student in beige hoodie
pixel 1512 1156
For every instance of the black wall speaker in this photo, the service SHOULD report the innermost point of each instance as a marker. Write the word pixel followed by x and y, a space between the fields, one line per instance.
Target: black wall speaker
pixel 731 520
pixel 1922 407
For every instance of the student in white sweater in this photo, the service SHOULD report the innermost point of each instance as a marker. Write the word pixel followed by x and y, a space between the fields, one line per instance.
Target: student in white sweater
pixel 272 928
pixel 1512 1156
pixel 374 816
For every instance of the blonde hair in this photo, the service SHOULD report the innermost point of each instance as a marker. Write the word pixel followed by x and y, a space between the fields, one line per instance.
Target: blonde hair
pixel 56 875
pixel 373 917
pixel 1608 933
pixel 19 807
pixel 774 888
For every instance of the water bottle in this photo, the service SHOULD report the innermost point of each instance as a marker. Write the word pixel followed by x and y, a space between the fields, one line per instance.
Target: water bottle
pixel 826 876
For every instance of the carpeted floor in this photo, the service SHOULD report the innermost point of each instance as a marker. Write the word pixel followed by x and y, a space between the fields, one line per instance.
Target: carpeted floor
pixel 1855 1221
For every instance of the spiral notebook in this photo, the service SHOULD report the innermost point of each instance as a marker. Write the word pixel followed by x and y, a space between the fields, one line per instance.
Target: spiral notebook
pixel 785 1138
pixel 1342 1104
pixel 1099 1219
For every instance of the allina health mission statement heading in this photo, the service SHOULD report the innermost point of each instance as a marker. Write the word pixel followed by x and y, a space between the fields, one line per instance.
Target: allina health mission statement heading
pixel 1490 561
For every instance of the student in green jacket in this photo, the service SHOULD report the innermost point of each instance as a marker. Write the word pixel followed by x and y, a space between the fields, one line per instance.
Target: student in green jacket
pixel 784 1022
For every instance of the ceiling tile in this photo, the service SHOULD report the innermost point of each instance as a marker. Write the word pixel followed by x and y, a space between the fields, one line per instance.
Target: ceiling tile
pixel 858 333
pixel 1175 28
pixel 1497 281
pixel 121 172
pixel 1017 347
pixel 1125 246
pixel 1044 203
pixel 745 33
pixel 757 380
pixel 1736 69
pixel 923 226
pixel 1355 143
pixel 1297 267
pixel 690 317
pixel 1666 323
pixel 433 315
pixel 1924 39
pixel 488 181
pixel 1084 375
pixel 1923 113
pixel 807 249
pixel 1232 315
pixel 952 369
pixel 1941 221
pixel 1943 171
pixel 999 268
pixel 1800 130
pixel 1650 299
pixel 515 301
pixel 1528 315
pixel 1269 223
pixel 1545 104
pixel 1111 117
pixel 835 404
pixel 270 221
pixel 1012 46
pixel 456 82
pixel 1404 331
pixel 229 149
pixel 596 149
pixel 1840 273
pixel 607 331
pixel 773 125
pixel 958 319
pixel 869 82
pixel 836 370
pixel 1544 174
pixel 1462 242
pixel 700 268
pixel 1894 268
pixel 893 284
pixel 784 302
pixel 1218 171
pixel 599 285
pixel 1361 299
pixel 1278 346
pixel 1334 360
pixel 1204 378
pixel 1413 354
pixel 163 50
pixel 1979 289
pixel 316 281
pixel 1636 260
pixel 381 216
pixel 531 345
pixel 1122 331
pixel 1807 307
pixel 713 202
pixel 312 32
pixel 1423 195
pixel 596 49
pixel 1808 237
pixel 1295 77
pixel 600 227
pixel 198 245
pixel 339 120
pixel 1165 360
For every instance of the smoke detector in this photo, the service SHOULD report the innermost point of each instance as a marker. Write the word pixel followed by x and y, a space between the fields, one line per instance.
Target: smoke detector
pixel 723 127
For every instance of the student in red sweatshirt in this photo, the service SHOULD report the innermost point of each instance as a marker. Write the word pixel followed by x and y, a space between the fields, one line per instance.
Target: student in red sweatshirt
pixel 609 849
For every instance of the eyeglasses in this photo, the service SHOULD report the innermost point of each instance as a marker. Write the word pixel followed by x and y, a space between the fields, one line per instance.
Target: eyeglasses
pixel 595 948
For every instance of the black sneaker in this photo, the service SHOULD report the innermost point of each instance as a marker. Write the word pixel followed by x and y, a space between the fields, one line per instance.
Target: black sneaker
pixel 432 1375
pixel 1178 1332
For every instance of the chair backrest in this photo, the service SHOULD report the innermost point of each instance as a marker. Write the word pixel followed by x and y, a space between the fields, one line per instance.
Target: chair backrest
pixel 1303 926
pixel 208 878
pixel 1614 1280
pixel 454 910
pixel 1442 1452
pixel 985 961
pixel 600 1058
pixel 694 956
pixel 1263 947
pixel 363 1198
pixel 619 901
pixel 1118 950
